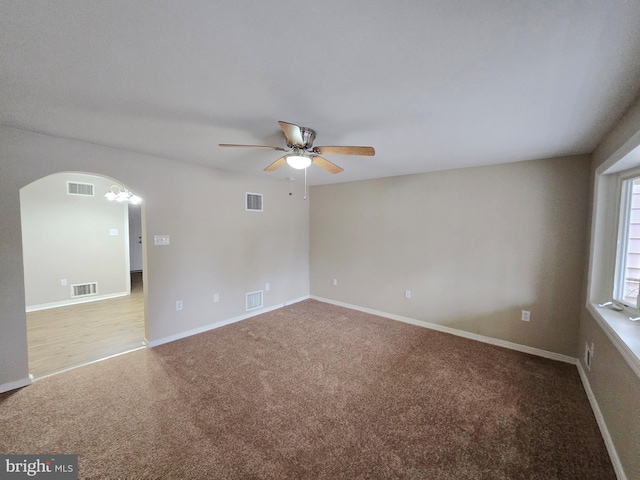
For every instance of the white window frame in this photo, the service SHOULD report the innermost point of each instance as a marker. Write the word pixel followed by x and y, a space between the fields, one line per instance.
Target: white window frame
pixel 625 194
pixel 605 227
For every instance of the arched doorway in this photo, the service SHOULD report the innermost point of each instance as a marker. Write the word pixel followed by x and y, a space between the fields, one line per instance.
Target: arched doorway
pixel 83 301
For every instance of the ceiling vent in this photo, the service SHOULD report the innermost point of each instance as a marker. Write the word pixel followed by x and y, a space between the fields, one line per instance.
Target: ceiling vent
pixel 82 189
pixel 84 290
pixel 254 300
pixel 254 202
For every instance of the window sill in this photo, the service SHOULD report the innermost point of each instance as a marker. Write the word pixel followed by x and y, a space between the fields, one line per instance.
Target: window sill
pixel 624 333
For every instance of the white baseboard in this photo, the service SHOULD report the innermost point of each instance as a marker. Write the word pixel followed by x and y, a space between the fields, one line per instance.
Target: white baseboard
pixel 604 431
pixel 5 387
pixel 453 331
pixel 296 300
pixel 66 303
pixel 229 321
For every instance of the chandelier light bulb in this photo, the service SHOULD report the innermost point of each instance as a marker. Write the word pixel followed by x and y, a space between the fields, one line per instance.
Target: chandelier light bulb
pixel 120 195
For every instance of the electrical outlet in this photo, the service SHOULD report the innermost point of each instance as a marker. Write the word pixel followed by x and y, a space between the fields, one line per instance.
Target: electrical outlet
pixel 526 316
pixel 407 294
pixel 588 355
pixel 63 282
pixel 178 305
pixel 335 282
pixel 216 297
pixel 266 287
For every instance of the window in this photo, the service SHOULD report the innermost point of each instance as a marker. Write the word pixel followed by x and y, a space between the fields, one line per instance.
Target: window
pixel 627 271
pixel 614 263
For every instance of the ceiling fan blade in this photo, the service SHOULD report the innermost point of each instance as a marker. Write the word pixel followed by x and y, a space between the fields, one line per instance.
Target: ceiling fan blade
pixel 275 165
pixel 251 146
pixel 326 164
pixel 292 133
pixel 366 151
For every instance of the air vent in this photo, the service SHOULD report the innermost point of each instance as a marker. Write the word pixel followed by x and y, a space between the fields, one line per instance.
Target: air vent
pixel 84 290
pixel 254 202
pixel 254 300
pixel 83 189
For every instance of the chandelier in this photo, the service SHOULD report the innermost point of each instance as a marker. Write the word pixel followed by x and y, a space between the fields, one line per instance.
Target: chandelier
pixel 119 194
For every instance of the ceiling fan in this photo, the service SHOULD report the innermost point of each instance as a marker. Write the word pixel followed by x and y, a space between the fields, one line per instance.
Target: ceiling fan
pixel 300 152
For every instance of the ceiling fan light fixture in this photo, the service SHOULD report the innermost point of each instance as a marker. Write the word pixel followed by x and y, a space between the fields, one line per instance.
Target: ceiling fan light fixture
pixel 301 153
pixel 298 161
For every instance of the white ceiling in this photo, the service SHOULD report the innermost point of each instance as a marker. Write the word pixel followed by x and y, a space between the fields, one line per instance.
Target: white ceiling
pixel 431 85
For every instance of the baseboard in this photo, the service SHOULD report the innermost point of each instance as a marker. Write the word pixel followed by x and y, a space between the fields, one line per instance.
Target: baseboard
pixel 212 326
pixel 604 431
pixel 296 300
pixel 453 331
pixel 5 387
pixel 66 303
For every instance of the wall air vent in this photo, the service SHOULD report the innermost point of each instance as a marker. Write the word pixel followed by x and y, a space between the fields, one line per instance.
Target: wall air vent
pixel 82 189
pixel 84 290
pixel 254 300
pixel 254 202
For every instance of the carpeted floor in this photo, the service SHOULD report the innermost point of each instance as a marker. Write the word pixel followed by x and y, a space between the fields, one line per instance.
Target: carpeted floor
pixel 314 391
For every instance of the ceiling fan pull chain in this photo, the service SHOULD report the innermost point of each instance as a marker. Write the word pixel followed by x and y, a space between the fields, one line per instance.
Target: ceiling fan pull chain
pixel 305 183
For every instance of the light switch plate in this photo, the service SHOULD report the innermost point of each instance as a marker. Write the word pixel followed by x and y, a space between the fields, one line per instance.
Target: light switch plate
pixel 161 240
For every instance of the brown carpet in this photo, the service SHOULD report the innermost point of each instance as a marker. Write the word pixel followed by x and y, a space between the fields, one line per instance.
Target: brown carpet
pixel 314 391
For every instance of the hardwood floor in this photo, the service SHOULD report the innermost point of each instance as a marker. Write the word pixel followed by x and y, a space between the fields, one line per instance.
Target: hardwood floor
pixel 65 337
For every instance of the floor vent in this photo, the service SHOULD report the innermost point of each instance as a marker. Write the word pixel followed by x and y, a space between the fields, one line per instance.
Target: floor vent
pixel 254 202
pixel 84 290
pixel 83 189
pixel 254 300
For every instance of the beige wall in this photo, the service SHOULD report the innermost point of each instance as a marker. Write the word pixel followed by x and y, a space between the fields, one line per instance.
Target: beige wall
pixel 474 246
pixel 216 246
pixel 69 237
pixel 615 386
pixel 515 235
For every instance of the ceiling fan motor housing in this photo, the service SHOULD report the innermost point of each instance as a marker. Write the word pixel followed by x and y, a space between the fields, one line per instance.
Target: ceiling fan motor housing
pixel 308 136
pixel 301 153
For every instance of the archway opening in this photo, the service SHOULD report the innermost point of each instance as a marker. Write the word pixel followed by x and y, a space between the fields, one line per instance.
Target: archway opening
pixel 83 257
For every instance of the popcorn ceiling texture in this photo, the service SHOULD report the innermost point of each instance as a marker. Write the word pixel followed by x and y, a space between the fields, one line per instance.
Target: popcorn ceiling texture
pixel 314 391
